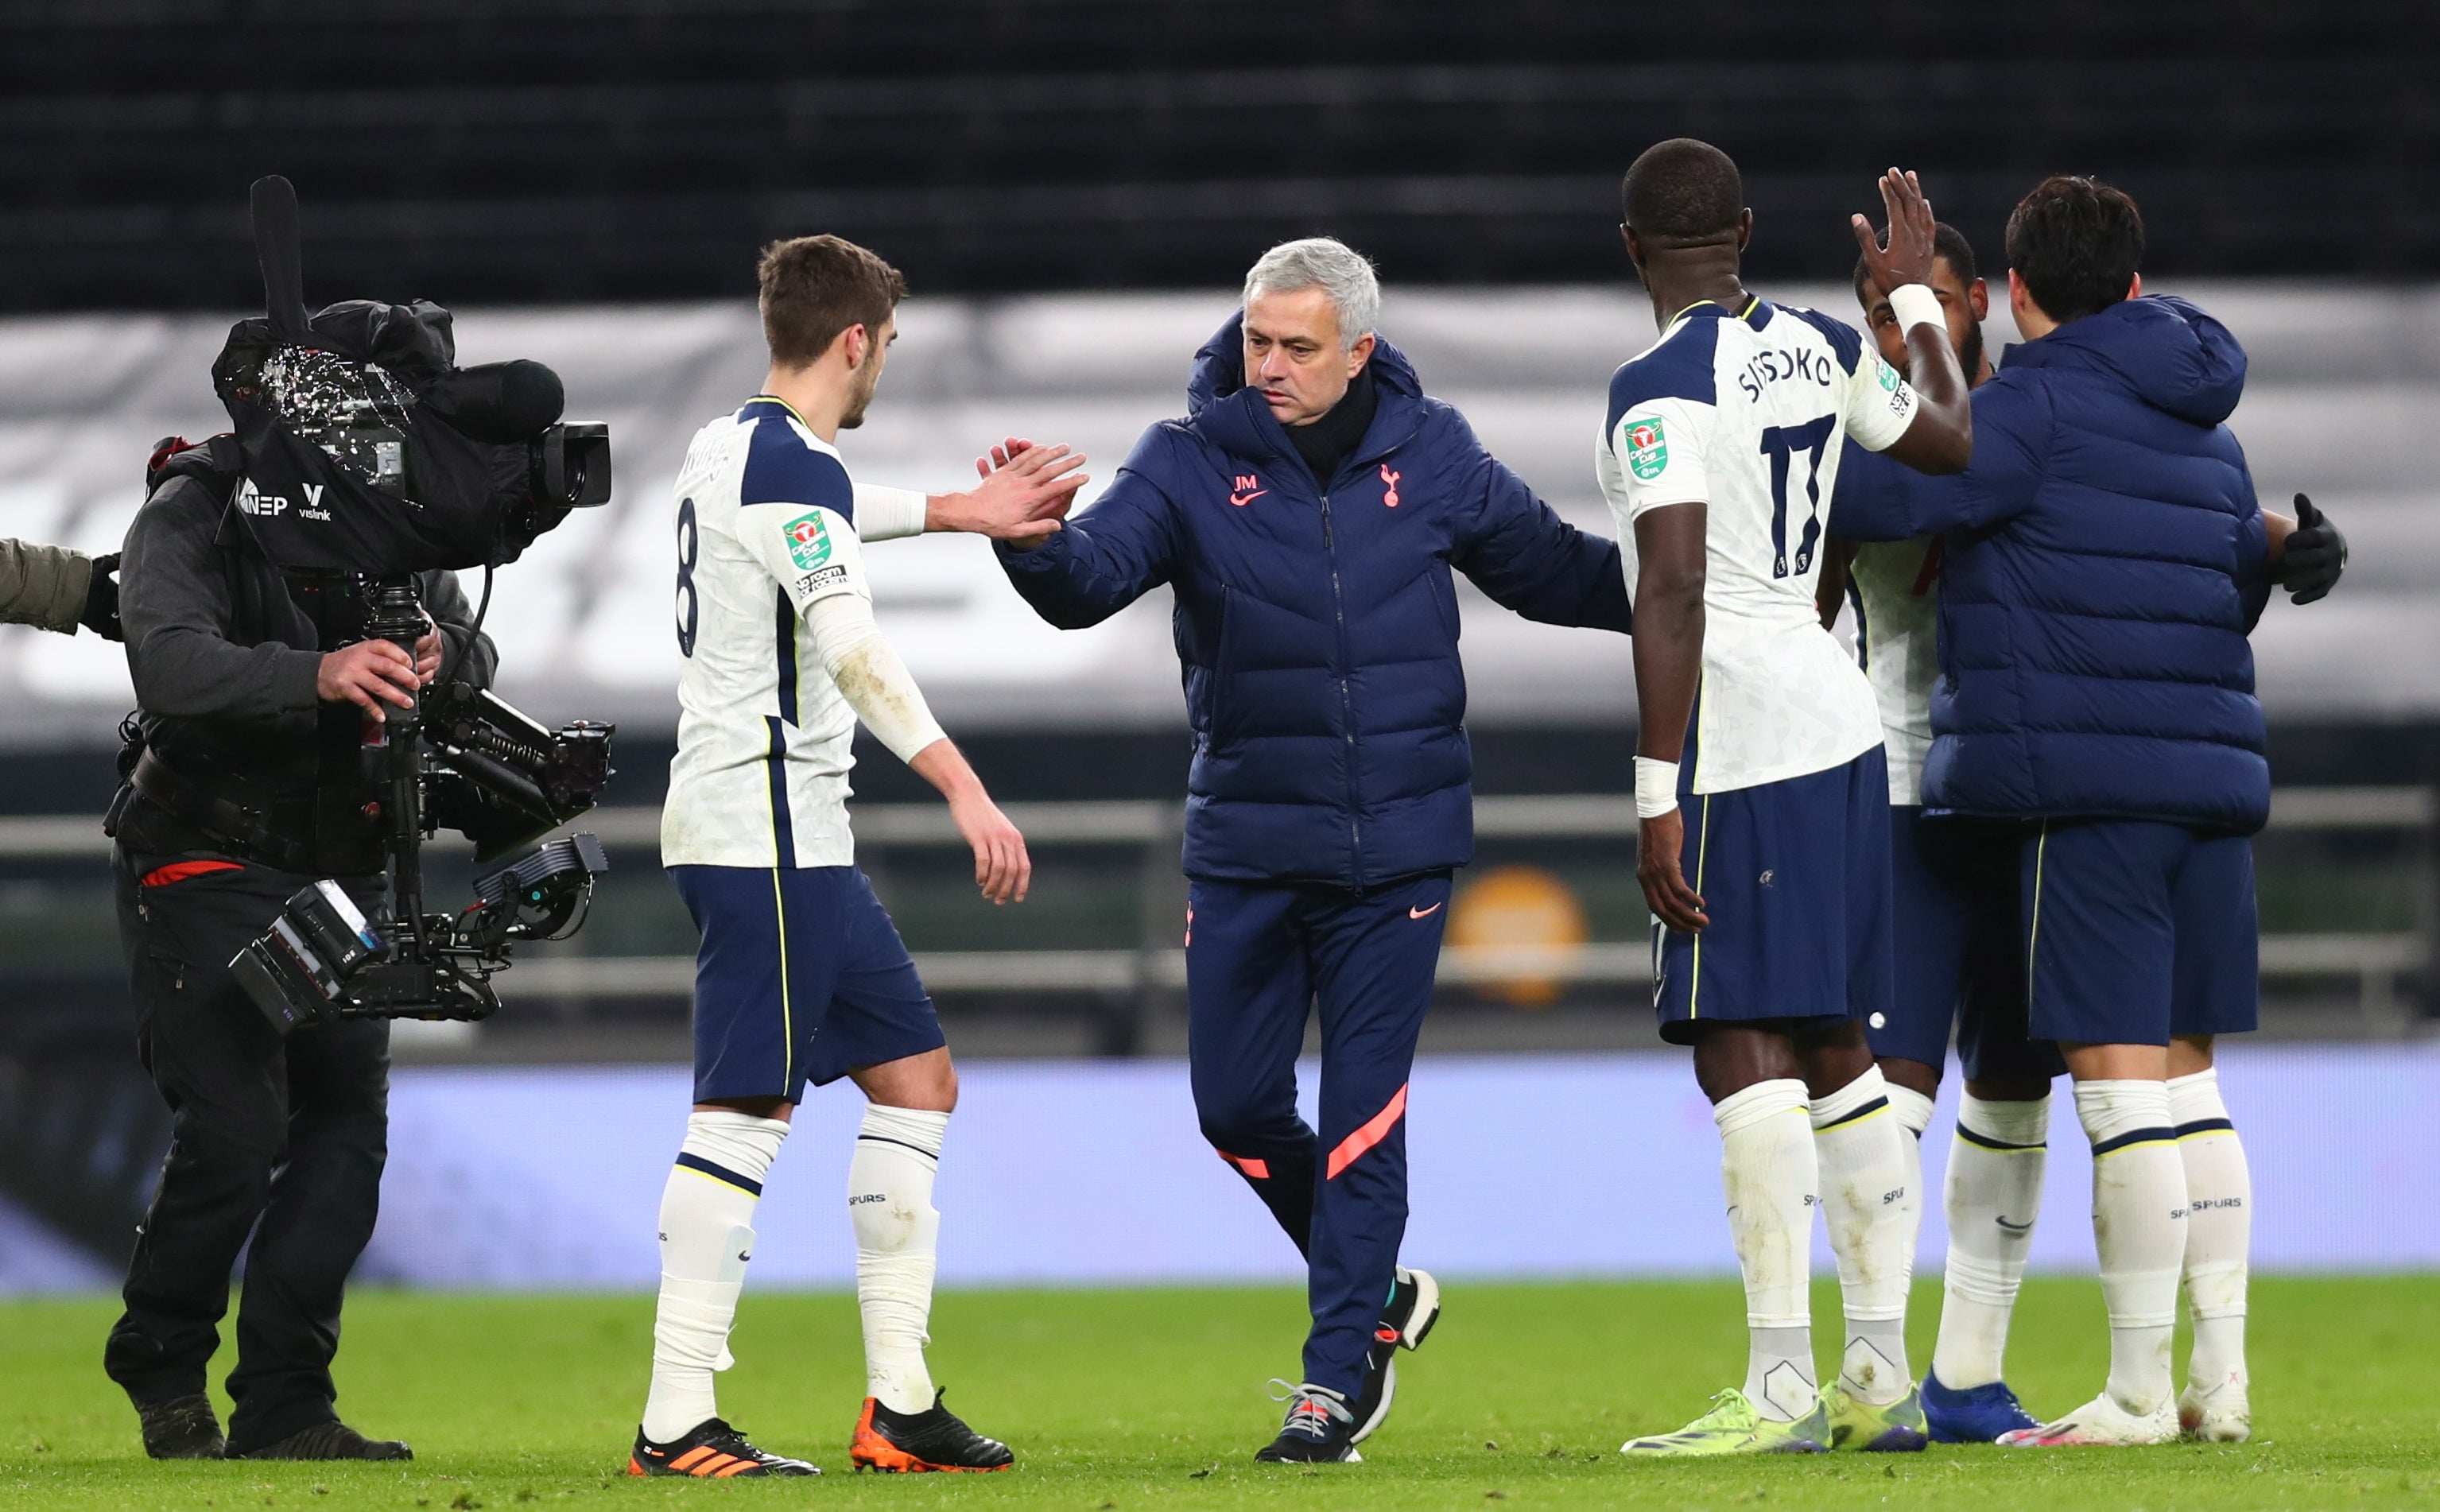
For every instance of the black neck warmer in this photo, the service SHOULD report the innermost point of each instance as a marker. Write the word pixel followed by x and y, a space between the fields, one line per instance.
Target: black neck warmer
pixel 1326 442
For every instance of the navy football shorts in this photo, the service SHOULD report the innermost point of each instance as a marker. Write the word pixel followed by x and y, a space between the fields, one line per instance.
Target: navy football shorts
pixel 1957 934
pixel 2137 931
pixel 801 977
pixel 1795 877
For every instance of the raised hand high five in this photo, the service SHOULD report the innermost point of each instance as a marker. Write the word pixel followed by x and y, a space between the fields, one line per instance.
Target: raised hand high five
pixel 1904 254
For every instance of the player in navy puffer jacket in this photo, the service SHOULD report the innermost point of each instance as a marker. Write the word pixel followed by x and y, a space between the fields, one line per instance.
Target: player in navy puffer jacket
pixel 2105 557
pixel 2108 557
pixel 1317 625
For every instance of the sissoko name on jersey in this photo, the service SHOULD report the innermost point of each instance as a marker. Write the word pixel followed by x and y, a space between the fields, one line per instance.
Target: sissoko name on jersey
pixel 1744 411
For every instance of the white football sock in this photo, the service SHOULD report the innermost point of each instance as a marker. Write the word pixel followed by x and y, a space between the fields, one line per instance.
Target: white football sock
pixel 2139 1226
pixel 1872 1210
pixel 1768 1168
pixel 897 1244
pixel 706 1239
pixel 1996 1160
pixel 2219 1227
pixel 1913 1113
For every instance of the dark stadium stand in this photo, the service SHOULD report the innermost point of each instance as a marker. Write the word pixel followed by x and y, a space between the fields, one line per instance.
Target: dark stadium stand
pixel 526 151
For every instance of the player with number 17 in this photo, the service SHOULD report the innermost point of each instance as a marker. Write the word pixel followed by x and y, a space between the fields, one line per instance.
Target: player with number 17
pixel 1759 772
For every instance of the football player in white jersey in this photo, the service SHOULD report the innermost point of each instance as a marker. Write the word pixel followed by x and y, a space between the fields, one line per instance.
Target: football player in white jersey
pixel 1759 773
pixel 802 976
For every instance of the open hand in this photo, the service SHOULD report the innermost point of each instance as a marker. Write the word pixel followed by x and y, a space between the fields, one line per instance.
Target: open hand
pixel 1002 868
pixel 1907 256
pixel 1024 492
pixel 1656 867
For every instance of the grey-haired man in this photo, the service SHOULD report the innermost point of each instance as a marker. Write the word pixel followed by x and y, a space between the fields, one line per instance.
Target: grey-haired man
pixel 1306 513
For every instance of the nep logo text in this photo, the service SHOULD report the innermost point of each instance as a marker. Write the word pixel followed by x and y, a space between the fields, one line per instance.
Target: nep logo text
pixel 271 505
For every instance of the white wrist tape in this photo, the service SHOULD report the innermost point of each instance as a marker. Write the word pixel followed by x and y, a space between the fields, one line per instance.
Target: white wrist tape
pixel 1915 304
pixel 1656 788
pixel 886 514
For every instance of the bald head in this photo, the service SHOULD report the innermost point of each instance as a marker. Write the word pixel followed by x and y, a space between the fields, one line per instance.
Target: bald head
pixel 1682 192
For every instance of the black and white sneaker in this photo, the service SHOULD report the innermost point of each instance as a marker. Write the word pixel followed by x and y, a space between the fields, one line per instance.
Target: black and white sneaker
pixel 1321 1428
pixel 711 1450
pixel 1413 1307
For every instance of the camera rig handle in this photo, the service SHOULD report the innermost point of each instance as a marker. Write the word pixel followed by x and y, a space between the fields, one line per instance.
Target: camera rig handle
pixel 394 612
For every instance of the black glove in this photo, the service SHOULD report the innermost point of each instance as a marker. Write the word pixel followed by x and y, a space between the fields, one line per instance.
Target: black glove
pixel 2315 556
pixel 101 599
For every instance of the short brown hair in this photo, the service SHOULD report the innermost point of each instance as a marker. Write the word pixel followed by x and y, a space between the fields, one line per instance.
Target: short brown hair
pixel 814 287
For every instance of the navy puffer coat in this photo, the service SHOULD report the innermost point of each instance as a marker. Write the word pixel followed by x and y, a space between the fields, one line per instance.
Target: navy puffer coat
pixel 1316 621
pixel 2105 557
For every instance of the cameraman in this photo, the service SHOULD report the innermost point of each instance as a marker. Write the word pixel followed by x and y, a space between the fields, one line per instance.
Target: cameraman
pixel 247 782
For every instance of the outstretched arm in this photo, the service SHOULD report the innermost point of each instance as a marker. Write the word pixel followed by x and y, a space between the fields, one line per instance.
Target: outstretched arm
pixel 1088 568
pixel 1940 435
pixel 1023 499
pixel 1518 551
pixel 44 585
pixel 815 556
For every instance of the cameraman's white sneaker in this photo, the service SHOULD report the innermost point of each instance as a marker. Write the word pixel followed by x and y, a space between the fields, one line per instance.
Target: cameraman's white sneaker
pixel 2099 1421
pixel 2216 1414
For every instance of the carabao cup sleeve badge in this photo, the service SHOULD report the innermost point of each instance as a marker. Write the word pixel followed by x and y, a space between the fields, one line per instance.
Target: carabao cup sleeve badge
pixel 809 540
pixel 1647 449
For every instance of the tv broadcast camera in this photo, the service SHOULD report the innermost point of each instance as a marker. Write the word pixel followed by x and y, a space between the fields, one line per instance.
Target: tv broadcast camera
pixel 368 452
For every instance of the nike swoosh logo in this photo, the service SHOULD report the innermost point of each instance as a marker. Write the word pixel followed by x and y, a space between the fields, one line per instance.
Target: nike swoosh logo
pixel 1423 913
pixel 1241 500
pixel 2015 1228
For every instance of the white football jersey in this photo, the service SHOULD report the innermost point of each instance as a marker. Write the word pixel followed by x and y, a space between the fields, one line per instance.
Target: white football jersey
pixel 764 523
pixel 1744 411
pixel 1896 588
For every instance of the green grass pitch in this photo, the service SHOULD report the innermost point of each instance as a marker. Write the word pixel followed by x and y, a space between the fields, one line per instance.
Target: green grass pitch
pixel 1153 1398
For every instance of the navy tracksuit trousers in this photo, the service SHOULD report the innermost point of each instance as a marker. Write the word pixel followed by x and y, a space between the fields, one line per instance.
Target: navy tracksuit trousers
pixel 1260 957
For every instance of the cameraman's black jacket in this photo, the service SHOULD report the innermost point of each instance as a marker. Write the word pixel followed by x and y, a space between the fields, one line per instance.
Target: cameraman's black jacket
pixel 224 650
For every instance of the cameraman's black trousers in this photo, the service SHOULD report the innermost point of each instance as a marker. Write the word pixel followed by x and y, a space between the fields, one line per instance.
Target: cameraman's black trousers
pixel 282 1139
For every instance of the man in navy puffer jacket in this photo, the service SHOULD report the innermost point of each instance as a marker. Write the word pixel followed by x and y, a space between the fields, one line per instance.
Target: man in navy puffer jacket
pixel 2104 558
pixel 1308 513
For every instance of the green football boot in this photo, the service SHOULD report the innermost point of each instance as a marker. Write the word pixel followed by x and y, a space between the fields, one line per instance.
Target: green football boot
pixel 1733 1427
pixel 1894 1429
